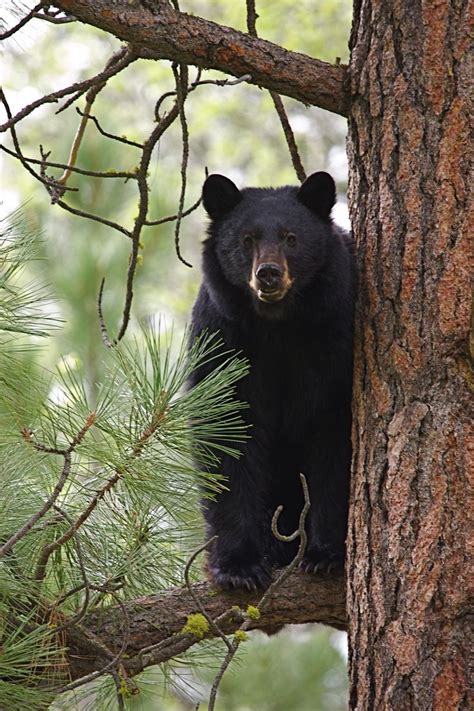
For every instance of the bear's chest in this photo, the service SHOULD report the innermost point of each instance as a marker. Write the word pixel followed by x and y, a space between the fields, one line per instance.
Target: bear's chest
pixel 285 384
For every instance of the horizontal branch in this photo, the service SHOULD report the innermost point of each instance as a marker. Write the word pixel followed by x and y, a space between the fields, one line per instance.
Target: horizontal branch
pixel 157 31
pixel 302 598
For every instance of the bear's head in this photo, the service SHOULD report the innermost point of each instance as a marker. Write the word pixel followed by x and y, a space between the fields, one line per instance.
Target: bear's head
pixel 270 243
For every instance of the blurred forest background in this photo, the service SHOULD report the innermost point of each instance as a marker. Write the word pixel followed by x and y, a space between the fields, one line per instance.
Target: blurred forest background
pixel 233 130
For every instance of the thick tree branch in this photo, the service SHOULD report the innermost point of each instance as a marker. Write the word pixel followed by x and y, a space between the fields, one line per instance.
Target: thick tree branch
pixel 157 31
pixel 154 619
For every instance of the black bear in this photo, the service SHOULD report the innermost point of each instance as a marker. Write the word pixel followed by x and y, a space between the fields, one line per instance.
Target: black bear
pixel 278 286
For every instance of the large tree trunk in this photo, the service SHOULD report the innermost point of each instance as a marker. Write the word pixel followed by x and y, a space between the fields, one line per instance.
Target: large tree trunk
pixel 408 147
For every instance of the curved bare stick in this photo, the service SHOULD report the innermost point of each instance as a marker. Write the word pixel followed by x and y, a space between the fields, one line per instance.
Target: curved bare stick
pixel 212 623
pixel 181 79
pixel 246 624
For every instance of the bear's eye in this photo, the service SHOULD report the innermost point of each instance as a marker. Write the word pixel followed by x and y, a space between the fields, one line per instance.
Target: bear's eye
pixel 290 239
pixel 247 241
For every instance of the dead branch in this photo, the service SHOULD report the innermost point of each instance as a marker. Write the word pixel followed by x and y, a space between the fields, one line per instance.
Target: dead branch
pixel 66 469
pixel 289 136
pixel 56 17
pixel 112 136
pixel 157 31
pixel 264 601
pixel 94 218
pixel 72 530
pixel 24 20
pixel 124 174
pixel 171 218
pixel 124 57
pixel 278 103
pixel 140 221
pixel 181 81
pixel 49 183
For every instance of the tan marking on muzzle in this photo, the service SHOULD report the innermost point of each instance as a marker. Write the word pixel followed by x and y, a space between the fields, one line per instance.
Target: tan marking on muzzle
pixel 267 257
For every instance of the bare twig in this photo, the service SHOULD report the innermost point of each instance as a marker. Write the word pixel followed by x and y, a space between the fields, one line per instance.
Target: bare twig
pixel 125 56
pixel 95 218
pixel 121 139
pixel 160 102
pixel 105 652
pixel 299 533
pixel 66 453
pixel 72 99
pixel 198 82
pixel 221 82
pixel 85 581
pixel 290 136
pixel 49 548
pixel 50 183
pixel 127 175
pixel 32 13
pixel 90 98
pixel 56 192
pixel 54 16
pixel 181 79
pixel 103 328
pixel 140 220
pixel 77 140
pixel 21 533
pixel 212 623
pixel 276 584
pixel 170 218
pixel 278 103
pixel 252 18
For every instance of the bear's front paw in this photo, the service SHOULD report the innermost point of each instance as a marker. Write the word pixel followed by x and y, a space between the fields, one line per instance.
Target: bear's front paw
pixel 320 561
pixel 250 577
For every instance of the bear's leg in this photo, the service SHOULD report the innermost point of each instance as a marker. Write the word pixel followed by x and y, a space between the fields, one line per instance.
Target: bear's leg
pixel 239 517
pixel 327 469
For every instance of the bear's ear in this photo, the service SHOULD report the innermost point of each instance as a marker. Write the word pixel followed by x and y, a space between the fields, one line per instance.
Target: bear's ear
pixel 318 193
pixel 219 196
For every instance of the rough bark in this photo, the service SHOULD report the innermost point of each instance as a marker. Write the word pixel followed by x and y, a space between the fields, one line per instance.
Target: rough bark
pixel 159 32
pixel 409 150
pixel 150 620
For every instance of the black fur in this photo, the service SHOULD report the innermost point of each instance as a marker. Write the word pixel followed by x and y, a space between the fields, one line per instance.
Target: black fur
pixel 300 381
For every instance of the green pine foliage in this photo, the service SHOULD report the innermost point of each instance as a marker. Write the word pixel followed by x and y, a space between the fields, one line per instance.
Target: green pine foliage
pixel 118 465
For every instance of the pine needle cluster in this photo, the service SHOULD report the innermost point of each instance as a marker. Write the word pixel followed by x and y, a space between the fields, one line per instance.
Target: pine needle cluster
pixel 99 498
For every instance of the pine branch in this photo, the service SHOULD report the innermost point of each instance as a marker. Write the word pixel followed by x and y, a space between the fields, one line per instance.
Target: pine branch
pixel 157 31
pixel 157 620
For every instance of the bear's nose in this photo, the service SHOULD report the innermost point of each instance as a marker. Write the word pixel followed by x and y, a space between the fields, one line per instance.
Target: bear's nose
pixel 269 276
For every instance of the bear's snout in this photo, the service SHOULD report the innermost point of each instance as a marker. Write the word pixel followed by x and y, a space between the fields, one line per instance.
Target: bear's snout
pixel 269 277
pixel 270 280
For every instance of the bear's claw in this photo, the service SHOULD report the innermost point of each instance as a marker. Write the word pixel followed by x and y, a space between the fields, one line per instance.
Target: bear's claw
pixel 251 578
pixel 322 563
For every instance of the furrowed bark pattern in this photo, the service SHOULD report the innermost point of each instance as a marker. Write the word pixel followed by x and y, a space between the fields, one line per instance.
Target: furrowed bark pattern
pixel 159 32
pixel 409 150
